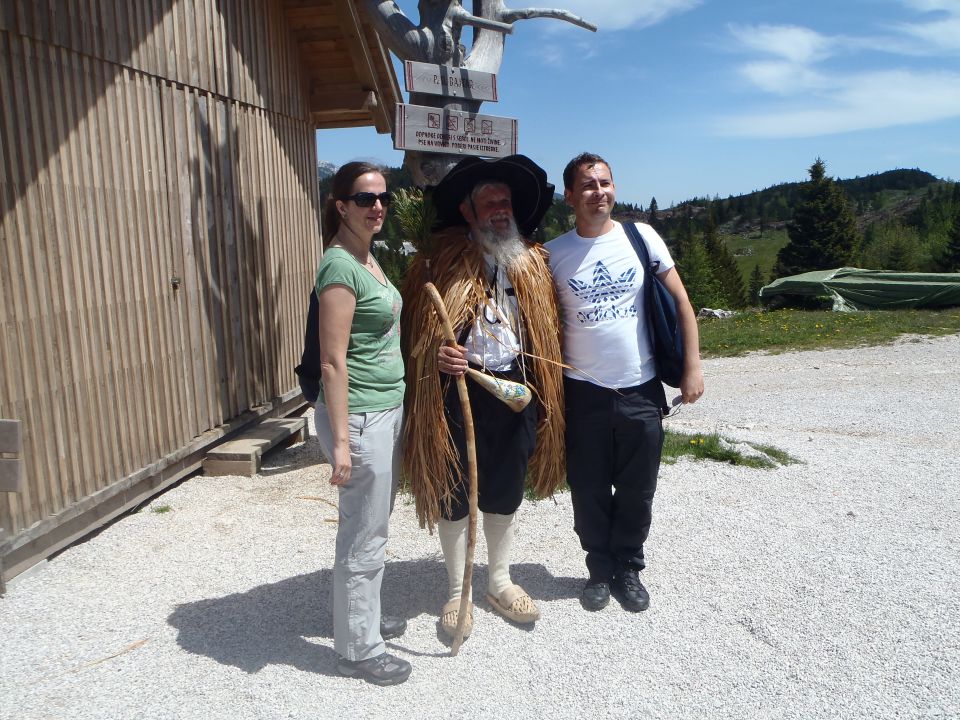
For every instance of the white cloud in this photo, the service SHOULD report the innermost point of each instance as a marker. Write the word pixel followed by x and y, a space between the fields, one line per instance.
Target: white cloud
pixel 939 36
pixel 790 42
pixel 949 6
pixel 559 54
pixel 782 78
pixel 551 54
pixel 815 97
pixel 857 102
pixel 935 36
pixel 622 14
pixel 794 51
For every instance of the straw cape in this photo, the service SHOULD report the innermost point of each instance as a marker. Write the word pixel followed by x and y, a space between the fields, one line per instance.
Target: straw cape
pixel 456 268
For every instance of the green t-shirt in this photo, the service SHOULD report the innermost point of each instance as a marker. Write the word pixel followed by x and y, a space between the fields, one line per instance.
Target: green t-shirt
pixel 374 364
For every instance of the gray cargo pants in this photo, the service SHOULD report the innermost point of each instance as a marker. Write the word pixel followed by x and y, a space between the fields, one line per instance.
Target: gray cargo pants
pixel 365 506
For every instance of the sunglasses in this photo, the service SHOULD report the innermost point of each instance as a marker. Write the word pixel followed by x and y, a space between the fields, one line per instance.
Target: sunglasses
pixel 675 406
pixel 367 199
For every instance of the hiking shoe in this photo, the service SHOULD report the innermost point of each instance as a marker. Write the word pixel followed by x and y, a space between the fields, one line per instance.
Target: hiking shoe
pixel 392 627
pixel 595 595
pixel 384 669
pixel 629 591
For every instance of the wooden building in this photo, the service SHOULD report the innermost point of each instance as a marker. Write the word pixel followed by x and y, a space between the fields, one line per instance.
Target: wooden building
pixel 159 235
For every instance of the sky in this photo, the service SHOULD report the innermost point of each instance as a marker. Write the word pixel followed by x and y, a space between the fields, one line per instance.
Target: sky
pixel 705 98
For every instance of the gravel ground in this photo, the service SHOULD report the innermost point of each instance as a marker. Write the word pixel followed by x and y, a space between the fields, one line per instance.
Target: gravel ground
pixel 821 589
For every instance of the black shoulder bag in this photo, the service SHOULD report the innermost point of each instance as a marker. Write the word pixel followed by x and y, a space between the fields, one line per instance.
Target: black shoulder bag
pixel 308 371
pixel 661 320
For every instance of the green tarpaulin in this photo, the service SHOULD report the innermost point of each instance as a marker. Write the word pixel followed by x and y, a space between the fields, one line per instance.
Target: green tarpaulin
pixel 856 289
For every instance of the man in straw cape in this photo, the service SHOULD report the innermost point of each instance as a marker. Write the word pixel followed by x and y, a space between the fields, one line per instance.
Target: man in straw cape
pixel 497 289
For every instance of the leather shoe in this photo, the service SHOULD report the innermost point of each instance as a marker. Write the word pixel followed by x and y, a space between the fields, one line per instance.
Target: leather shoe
pixel 384 669
pixel 392 627
pixel 629 591
pixel 595 595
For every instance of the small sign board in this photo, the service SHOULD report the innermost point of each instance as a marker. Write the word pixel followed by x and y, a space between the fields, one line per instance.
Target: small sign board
pixel 11 475
pixel 449 81
pixel 11 468
pixel 431 129
pixel 11 440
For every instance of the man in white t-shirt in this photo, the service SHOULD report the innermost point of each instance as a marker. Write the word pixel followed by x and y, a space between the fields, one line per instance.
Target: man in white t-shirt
pixel 614 399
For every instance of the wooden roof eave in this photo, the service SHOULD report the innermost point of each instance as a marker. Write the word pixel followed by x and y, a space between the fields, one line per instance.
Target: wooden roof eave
pixel 369 95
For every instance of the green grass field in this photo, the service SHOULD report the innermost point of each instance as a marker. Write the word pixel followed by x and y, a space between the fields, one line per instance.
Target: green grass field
pixel 763 251
pixel 784 330
pixel 711 446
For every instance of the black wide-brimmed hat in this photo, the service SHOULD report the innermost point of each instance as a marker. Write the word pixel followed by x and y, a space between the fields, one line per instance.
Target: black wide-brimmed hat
pixel 531 194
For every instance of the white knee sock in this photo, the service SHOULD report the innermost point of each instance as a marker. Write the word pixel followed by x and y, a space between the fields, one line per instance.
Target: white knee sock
pixel 499 532
pixel 453 542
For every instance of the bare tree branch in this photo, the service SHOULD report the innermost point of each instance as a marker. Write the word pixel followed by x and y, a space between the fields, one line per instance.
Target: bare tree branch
pixel 462 17
pixel 437 37
pixel 511 16
pixel 486 54
pixel 406 40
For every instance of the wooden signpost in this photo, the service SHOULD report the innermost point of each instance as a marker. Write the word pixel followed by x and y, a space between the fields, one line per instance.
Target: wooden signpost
pixel 442 73
pixel 444 130
pixel 449 81
pixel 448 131
pixel 431 129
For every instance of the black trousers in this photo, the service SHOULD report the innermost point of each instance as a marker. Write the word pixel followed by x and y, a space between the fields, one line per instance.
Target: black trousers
pixel 614 439
pixel 505 442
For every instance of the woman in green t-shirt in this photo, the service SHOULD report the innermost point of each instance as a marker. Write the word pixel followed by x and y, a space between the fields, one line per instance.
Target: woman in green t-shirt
pixel 359 415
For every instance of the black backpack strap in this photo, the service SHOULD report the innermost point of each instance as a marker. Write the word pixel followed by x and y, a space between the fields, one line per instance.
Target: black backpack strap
pixel 309 370
pixel 310 360
pixel 661 316
pixel 639 246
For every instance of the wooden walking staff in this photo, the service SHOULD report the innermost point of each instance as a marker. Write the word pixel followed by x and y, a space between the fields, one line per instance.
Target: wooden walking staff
pixel 471 469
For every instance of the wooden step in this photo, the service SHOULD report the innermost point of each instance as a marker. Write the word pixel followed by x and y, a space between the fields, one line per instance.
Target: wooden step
pixel 242 455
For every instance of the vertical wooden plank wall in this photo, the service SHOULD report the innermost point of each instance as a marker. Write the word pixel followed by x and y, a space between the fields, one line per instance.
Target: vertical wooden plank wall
pixel 158 236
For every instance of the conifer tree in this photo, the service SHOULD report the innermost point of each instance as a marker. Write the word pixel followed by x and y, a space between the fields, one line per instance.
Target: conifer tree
pixel 719 209
pixel 681 238
pixel 900 259
pixel 698 276
pixel 823 231
pixel 652 218
pixel 950 258
pixel 392 259
pixel 725 268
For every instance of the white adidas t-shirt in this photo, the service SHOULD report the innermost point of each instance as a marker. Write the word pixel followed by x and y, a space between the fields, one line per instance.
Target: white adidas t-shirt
pixel 600 285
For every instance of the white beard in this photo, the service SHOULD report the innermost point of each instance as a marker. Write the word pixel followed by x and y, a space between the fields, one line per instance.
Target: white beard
pixel 503 246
